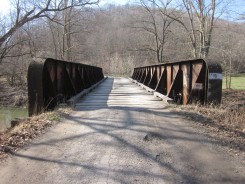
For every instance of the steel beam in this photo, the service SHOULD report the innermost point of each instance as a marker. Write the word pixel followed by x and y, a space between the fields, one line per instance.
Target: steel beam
pixel 184 81
pixel 52 81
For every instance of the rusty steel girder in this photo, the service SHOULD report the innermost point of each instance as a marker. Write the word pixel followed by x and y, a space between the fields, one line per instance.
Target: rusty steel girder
pixel 185 81
pixel 52 81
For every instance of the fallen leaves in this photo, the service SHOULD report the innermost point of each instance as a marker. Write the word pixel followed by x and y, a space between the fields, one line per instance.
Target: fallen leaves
pixel 25 131
pixel 225 122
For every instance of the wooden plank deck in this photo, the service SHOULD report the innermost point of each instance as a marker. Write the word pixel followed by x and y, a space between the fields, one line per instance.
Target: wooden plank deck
pixel 120 92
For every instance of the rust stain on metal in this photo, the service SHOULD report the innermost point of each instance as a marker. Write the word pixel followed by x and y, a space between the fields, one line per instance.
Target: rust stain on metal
pixel 184 81
pixel 52 81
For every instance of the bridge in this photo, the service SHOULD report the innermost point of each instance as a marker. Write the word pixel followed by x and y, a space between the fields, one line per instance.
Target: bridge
pixel 51 82
pixel 118 132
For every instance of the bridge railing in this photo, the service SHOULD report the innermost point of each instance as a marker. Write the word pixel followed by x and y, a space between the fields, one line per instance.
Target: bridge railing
pixel 52 81
pixel 185 81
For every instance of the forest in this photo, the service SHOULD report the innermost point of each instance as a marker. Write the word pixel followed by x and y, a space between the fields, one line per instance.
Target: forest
pixel 117 37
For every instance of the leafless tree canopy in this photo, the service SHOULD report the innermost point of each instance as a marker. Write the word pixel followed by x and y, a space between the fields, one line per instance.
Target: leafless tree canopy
pixel 118 38
pixel 26 11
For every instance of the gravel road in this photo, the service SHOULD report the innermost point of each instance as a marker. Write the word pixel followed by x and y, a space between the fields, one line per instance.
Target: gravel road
pixel 119 133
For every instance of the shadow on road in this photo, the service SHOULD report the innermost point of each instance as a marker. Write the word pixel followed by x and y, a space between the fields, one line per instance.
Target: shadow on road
pixel 126 129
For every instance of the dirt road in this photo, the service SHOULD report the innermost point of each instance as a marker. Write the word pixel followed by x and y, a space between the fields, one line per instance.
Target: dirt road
pixel 121 134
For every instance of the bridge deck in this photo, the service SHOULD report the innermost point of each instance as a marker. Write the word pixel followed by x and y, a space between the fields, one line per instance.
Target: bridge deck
pixel 119 92
pixel 121 134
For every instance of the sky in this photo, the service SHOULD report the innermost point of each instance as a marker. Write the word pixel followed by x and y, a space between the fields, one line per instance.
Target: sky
pixel 116 2
pixel 4 4
pixel 236 6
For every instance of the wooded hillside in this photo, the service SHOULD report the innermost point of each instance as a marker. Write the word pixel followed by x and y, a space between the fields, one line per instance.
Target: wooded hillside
pixel 117 38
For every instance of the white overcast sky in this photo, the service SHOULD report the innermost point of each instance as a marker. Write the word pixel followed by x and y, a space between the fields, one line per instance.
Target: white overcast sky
pixel 4 6
pixel 117 2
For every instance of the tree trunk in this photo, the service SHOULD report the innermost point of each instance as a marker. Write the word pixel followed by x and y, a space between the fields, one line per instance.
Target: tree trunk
pixel 230 72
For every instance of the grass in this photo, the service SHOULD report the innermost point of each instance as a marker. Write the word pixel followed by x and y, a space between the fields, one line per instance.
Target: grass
pixel 9 113
pixel 237 82
pixel 224 121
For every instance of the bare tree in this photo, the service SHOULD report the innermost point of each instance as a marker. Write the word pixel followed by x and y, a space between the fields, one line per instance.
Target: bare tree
pixel 26 11
pixel 157 24
pixel 201 18
pixel 204 11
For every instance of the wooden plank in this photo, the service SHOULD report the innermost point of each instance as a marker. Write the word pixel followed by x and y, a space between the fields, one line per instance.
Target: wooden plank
pixel 119 92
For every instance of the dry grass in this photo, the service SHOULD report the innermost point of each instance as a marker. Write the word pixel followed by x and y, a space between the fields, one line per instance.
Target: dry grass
pixel 227 120
pixel 26 130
